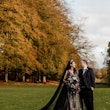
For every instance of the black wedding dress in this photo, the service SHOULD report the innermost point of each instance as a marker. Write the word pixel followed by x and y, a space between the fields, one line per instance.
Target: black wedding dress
pixel 65 97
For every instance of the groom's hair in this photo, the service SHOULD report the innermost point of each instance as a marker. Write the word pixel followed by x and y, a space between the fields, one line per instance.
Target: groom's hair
pixel 85 61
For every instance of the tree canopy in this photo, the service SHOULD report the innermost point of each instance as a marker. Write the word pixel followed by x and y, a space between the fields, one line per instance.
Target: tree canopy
pixel 36 36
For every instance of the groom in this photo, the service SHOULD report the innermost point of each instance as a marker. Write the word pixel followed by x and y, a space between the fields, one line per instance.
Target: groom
pixel 87 83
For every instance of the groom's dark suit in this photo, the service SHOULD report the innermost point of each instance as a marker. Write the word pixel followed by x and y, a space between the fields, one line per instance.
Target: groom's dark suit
pixel 87 82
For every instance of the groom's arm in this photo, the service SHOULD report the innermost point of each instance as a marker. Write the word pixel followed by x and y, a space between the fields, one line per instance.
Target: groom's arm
pixel 92 79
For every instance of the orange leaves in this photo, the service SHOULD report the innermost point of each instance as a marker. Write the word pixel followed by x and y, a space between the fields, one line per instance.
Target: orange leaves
pixel 35 35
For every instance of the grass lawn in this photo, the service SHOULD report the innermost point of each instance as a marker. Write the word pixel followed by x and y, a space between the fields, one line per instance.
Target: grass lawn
pixel 35 97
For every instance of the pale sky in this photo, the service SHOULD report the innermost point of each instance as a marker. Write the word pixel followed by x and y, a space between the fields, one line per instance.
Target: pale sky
pixel 95 14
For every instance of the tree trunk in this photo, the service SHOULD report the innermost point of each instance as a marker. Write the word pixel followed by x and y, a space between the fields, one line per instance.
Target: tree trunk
pixel 24 78
pixel 41 77
pixel 37 76
pixel 44 79
pixel 16 76
pixel 6 77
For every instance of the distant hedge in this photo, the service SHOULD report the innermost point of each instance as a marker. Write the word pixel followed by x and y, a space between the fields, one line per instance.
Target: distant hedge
pixel 102 85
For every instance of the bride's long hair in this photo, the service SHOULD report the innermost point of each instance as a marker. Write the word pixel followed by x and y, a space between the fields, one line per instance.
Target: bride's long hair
pixel 68 66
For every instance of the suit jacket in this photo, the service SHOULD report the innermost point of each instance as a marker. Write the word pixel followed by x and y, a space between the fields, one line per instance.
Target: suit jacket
pixel 88 79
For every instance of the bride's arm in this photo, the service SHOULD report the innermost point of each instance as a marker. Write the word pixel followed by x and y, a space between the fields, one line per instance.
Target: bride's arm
pixel 65 76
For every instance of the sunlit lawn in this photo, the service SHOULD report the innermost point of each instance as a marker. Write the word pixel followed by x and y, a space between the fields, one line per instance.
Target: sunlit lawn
pixel 33 98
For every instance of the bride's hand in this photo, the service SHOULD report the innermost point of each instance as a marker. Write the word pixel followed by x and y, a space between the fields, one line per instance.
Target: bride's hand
pixel 64 81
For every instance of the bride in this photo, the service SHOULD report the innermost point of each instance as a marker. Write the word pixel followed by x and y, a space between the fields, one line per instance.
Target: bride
pixel 66 97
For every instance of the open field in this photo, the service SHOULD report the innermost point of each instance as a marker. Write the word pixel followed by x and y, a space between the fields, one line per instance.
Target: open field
pixel 34 97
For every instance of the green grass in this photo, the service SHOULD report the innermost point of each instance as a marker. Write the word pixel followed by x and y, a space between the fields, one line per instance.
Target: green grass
pixel 33 98
pixel 102 98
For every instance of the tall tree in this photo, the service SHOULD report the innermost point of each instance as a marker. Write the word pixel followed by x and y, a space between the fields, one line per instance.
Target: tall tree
pixel 82 44
pixel 18 51
pixel 108 61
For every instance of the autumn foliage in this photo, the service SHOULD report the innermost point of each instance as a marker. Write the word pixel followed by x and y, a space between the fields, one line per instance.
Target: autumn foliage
pixel 35 38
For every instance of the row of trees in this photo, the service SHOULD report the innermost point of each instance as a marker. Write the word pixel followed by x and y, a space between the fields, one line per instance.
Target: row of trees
pixel 36 38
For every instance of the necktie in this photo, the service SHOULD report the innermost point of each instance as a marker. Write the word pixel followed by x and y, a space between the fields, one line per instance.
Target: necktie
pixel 84 70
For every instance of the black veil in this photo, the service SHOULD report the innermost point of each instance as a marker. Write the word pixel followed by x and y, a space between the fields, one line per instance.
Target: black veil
pixel 58 93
